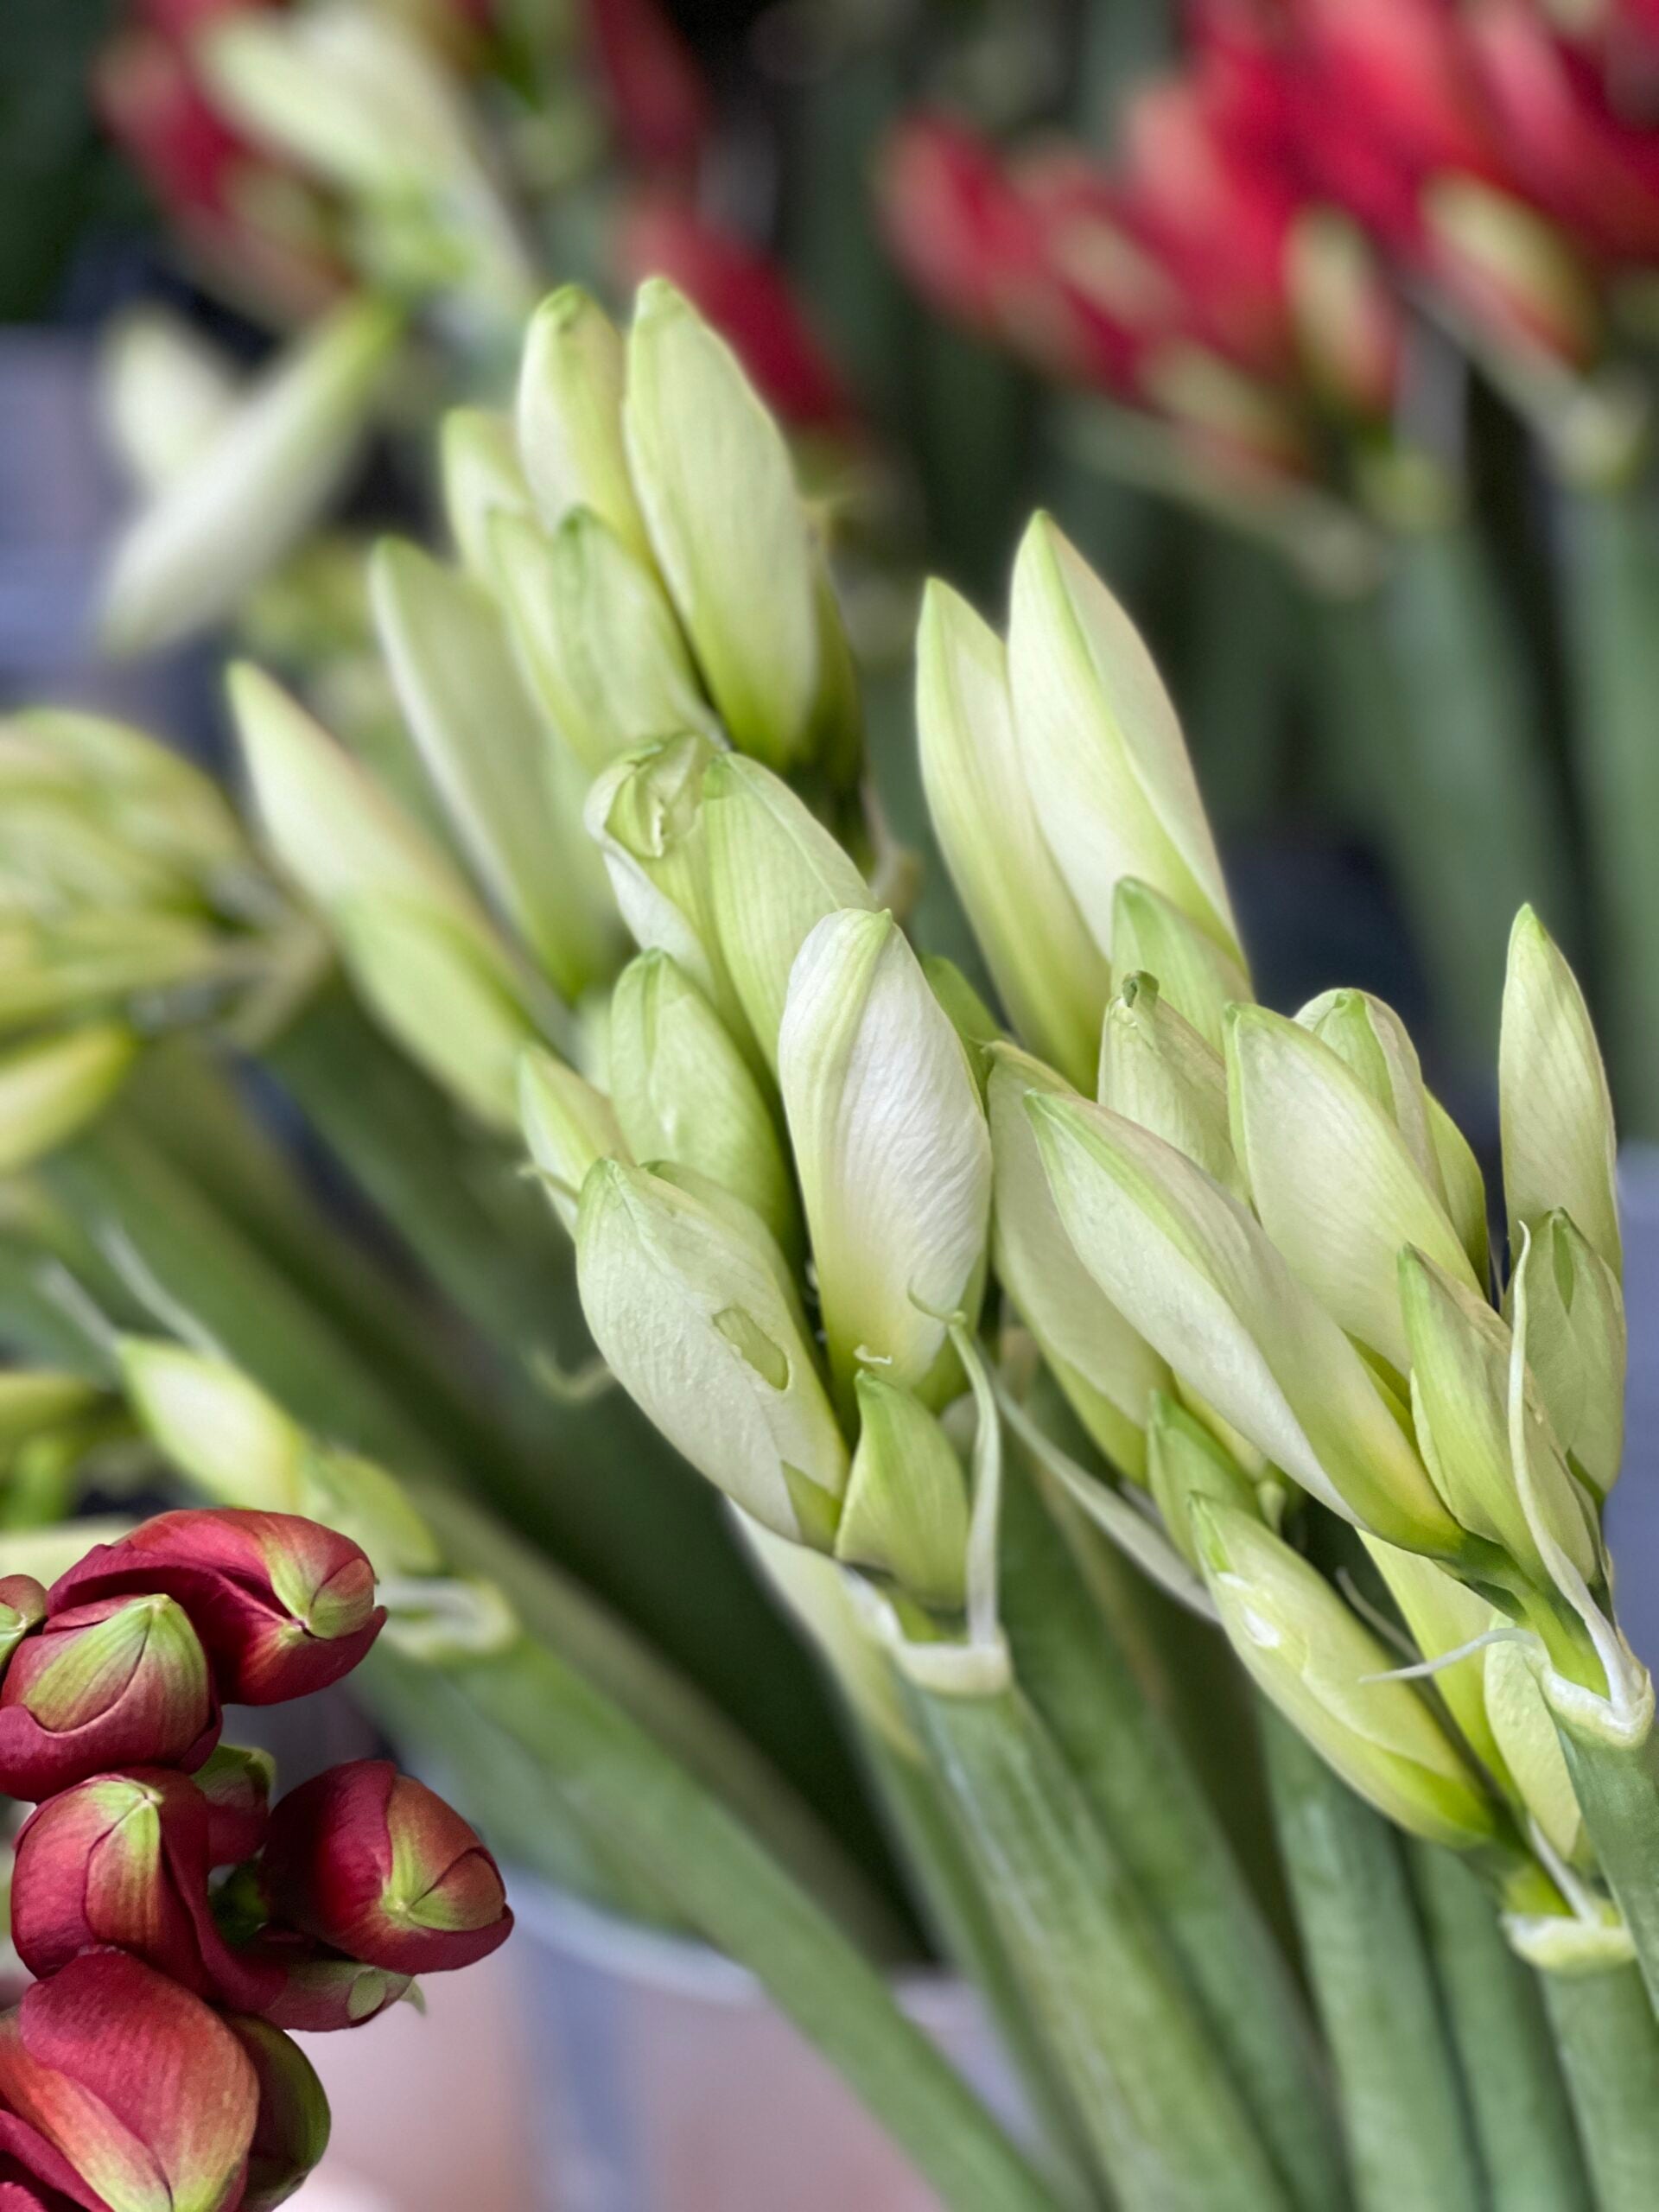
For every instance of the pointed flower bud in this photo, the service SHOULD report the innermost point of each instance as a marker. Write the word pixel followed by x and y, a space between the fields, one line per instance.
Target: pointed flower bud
pixel 282 1605
pixel 905 1512
pixel 478 463
pixel 568 1124
pixel 145 2092
pixel 598 643
pixel 692 1307
pixel 113 1681
pixel 1553 1103
pixel 1530 1744
pixel 775 871
pixel 1108 1372
pixel 715 481
pixel 1197 1276
pixel 1576 1349
pixel 1156 1070
pixel 1185 1463
pixel 893 1151
pixel 122 1860
pixel 1442 1615
pixel 235 1786
pixel 291 2132
pixel 164 391
pixel 1310 1654
pixel 320 1992
pixel 684 1092
pixel 254 488
pixel 50 1089
pixel 569 418
pixel 485 751
pixel 1333 1181
pixel 1151 936
pixel 376 1865
pixel 1107 765
pixel 1048 971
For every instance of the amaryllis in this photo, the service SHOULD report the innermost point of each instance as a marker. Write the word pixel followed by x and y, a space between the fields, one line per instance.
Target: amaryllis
pixel 319 1991
pixel 116 1681
pixel 377 1865
pixel 282 1605
pixel 291 2132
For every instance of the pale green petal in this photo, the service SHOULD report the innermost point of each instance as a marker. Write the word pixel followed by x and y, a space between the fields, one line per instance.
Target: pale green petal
pixel 1553 1103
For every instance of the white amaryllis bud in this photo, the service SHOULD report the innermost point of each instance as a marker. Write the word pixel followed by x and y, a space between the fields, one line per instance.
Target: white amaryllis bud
pixel 486 752
pixel 893 1152
pixel 163 393
pixel 692 1310
pixel 1108 1372
pixel 1107 765
pixel 51 1089
pixel 1047 969
pixel 568 1124
pixel 684 1092
pixel 478 463
pixel 1331 1177
pixel 568 417
pixel 1197 1274
pixel 906 1513
pixel 1327 1673
pixel 254 487
pixel 597 638
pixel 774 872
pixel 1151 936
pixel 1186 1463
pixel 1156 1070
pixel 1554 1106
pixel 714 479
pixel 1576 1349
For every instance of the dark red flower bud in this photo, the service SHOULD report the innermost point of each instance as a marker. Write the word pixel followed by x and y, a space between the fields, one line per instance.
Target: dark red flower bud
pixel 376 1865
pixel 319 1991
pixel 35 2177
pixel 122 1860
pixel 291 2132
pixel 119 1682
pixel 282 1605
pixel 236 1785
pixel 142 2090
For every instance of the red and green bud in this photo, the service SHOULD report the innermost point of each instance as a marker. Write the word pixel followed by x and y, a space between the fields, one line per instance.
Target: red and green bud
pixel 282 1605
pixel 120 1683
pixel 122 1860
pixel 143 2091
pixel 291 2132
pixel 235 1784
pixel 320 1991
pixel 23 1607
pixel 35 2177
pixel 375 1864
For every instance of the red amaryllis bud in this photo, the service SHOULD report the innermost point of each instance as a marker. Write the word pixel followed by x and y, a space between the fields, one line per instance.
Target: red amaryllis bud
pixel 155 110
pixel 291 2132
pixel 35 2177
pixel 122 1860
pixel 120 1683
pixel 375 1864
pixel 235 1784
pixel 134 2082
pixel 282 1605
pixel 748 300
pixel 319 1991
pixel 654 87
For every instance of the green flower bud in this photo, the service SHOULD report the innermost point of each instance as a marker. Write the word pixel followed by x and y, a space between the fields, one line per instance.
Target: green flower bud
pixel 684 1092
pixel 1047 970
pixel 1186 1463
pixel 1531 1746
pixel 774 872
pixel 251 493
pixel 1156 1070
pixel 1333 1182
pixel 478 462
pixel 893 1152
pixel 1195 1273
pixel 1460 1352
pixel 164 392
pixel 692 1312
pixel 1576 1349
pixel 1554 1103
pixel 714 479
pixel 486 752
pixel 1108 1372
pixel 596 638
pixel 1442 1616
pixel 906 1511
pixel 1106 762
pixel 570 417
pixel 50 1090
pixel 1313 1658
pixel 567 1125
pixel 1151 936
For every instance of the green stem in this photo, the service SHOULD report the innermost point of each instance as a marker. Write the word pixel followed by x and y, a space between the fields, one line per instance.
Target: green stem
pixel 1517 2100
pixel 1611 553
pixel 570 1746
pixel 1135 1775
pixel 1397 2079
pixel 1168 2129
pixel 1617 1790
pixel 1608 2044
